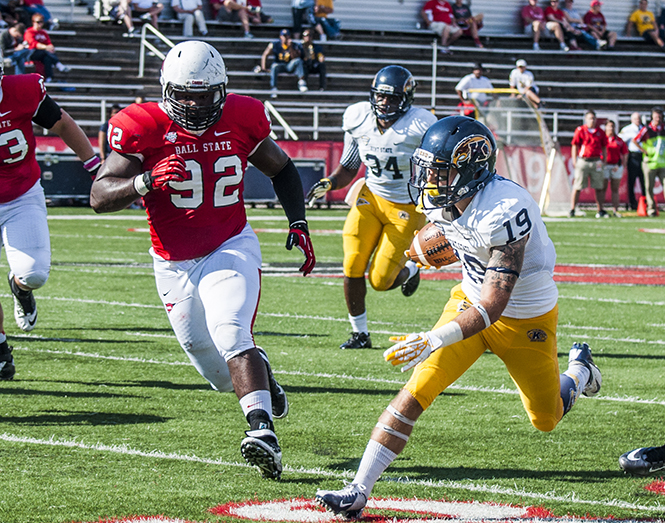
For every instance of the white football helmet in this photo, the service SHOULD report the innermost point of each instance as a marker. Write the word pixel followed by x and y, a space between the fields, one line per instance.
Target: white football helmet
pixel 196 67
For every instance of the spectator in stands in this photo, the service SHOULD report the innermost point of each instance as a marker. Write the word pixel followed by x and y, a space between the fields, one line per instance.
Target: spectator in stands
pixel 466 21
pixel 588 151
pixel 595 21
pixel 644 22
pixel 313 58
pixel 554 14
pixel 102 137
pixel 235 11
pixel 649 141
pixel 12 14
pixel 190 11
pixel 634 166
pixel 576 21
pixel 438 16
pixel 474 80
pixel 42 49
pixel 121 11
pixel 256 14
pixel 148 9
pixel 37 7
pixel 326 26
pixel 535 24
pixel 14 48
pixel 615 164
pixel 523 80
pixel 287 58
pixel 302 10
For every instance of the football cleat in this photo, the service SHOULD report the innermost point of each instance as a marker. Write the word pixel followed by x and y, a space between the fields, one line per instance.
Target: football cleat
pixel 7 368
pixel 580 354
pixel 348 502
pixel 280 403
pixel 25 307
pixel 410 286
pixel 643 461
pixel 358 340
pixel 261 449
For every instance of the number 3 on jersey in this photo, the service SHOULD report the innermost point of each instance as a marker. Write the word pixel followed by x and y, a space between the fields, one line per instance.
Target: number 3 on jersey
pixel 227 187
pixel 374 165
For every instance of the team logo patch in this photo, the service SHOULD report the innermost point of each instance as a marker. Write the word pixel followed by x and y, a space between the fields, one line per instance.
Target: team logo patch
pixel 361 201
pixel 169 307
pixel 475 148
pixel 171 136
pixel 403 215
pixel 537 335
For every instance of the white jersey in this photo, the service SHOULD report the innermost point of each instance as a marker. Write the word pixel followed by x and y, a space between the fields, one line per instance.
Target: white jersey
pixel 501 213
pixel 471 82
pixel 522 80
pixel 386 155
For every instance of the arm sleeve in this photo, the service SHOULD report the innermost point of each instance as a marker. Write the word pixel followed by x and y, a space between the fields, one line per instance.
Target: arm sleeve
pixel 48 113
pixel 289 191
pixel 350 155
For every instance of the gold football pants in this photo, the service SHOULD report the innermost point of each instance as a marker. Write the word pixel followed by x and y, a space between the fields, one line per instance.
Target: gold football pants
pixel 527 347
pixel 375 225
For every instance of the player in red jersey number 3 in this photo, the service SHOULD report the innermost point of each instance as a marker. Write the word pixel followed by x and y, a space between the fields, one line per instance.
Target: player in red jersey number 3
pixel 186 157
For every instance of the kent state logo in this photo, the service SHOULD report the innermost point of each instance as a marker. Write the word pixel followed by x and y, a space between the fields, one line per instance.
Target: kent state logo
pixel 537 335
pixel 474 148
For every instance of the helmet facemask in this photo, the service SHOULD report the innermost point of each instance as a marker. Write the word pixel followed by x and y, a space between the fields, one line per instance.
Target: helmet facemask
pixel 194 117
pixel 398 84
pixel 391 110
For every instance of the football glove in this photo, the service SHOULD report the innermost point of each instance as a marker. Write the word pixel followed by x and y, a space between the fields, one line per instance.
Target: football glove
pixel 411 349
pixel 318 190
pixel 170 169
pixel 299 237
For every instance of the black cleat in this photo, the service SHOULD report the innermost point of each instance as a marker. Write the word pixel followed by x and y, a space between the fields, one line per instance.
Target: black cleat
pixel 643 461
pixel 280 403
pixel 7 368
pixel 261 449
pixel 410 286
pixel 358 340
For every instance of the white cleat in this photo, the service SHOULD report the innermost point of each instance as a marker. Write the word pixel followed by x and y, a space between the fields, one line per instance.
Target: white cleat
pixel 348 502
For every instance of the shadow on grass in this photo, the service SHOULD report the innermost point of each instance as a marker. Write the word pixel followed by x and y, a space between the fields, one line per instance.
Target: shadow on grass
pixel 600 355
pixel 65 417
pixel 61 393
pixel 123 384
pixel 351 390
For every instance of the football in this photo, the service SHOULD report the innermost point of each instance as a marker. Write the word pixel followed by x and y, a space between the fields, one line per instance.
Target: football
pixel 430 248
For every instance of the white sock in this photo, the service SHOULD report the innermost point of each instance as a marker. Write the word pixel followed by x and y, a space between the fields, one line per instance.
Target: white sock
pixel 580 375
pixel 59 66
pixel 413 268
pixel 359 323
pixel 375 460
pixel 258 399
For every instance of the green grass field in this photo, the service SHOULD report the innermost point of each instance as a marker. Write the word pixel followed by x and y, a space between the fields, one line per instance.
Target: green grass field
pixel 106 418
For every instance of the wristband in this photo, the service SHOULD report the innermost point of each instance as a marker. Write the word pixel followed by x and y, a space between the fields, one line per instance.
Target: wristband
pixel 140 186
pixel 92 163
pixel 450 333
pixel 483 313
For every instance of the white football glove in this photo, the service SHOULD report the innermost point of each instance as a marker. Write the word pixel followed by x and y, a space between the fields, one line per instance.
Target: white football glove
pixel 318 190
pixel 411 349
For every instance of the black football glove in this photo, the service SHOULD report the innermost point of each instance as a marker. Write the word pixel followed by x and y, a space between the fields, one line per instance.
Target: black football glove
pixel 299 237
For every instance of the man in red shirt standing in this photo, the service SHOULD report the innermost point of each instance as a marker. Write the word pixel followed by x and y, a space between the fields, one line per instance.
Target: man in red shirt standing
pixel 589 147
pixel 44 51
pixel 615 164
pixel 438 16
pixel 187 158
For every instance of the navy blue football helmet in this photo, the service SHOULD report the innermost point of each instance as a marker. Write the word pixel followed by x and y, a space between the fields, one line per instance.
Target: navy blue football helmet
pixel 456 142
pixel 398 84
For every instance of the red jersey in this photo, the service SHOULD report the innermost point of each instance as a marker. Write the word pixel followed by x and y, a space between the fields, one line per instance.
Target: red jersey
pixel 616 148
pixel 21 97
pixel 192 218
pixel 439 11
pixel 596 20
pixel 558 14
pixel 532 12
pixel 36 36
pixel 590 142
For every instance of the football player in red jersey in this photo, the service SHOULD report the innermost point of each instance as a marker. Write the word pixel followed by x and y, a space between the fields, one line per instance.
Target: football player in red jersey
pixel 187 156
pixel 23 101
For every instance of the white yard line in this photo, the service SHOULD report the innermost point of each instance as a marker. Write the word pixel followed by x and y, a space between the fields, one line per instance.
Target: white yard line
pixel 445 484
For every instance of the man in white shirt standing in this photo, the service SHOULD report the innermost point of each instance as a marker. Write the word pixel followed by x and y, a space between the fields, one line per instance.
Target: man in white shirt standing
pixel 189 11
pixel 634 167
pixel 474 80
pixel 523 80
